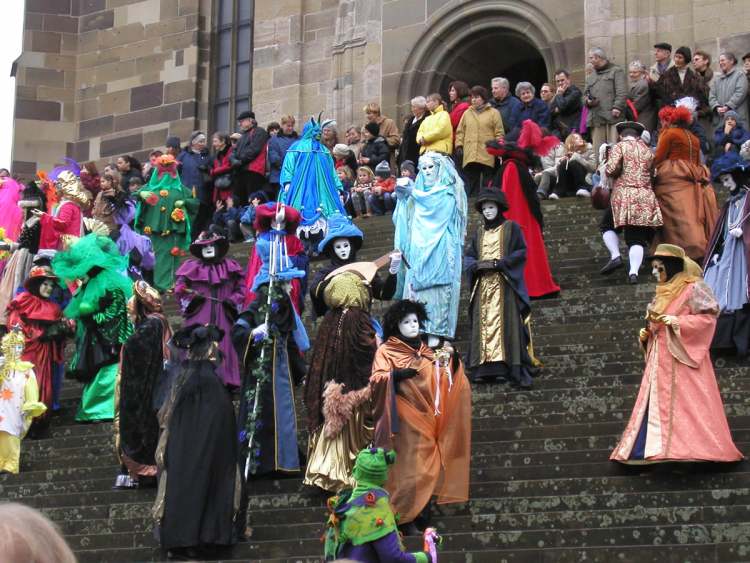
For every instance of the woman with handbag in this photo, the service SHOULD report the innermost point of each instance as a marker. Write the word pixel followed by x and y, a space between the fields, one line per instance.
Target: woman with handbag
pixel 221 168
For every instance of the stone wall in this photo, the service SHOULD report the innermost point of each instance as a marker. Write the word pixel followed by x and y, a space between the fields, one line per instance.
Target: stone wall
pixel 100 78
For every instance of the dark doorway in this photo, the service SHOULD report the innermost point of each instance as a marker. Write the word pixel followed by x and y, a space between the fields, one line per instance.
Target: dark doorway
pixel 495 53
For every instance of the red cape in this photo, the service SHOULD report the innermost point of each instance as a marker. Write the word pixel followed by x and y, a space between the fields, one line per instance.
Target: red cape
pixel 294 248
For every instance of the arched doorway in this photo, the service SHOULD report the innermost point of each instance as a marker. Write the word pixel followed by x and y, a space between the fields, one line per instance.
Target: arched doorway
pixel 497 52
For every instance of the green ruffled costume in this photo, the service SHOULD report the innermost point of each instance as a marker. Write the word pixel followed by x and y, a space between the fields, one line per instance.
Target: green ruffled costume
pixel 170 238
pixel 99 305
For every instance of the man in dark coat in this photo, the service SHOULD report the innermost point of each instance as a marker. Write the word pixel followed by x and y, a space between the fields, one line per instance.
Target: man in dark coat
pixel 409 147
pixel 249 157
pixel 566 106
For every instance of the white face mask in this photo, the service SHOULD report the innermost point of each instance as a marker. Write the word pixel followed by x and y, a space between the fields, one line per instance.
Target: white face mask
pixel 45 289
pixel 208 251
pixel 409 326
pixel 658 271
pixel 728 182
pixel 429 169
pixel 489 210
pixel 342 248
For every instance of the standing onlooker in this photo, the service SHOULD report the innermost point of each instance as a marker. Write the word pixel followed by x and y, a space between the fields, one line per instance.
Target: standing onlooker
pixel 386 126
pixel 436 131
pixel 605 97
pixel 128 167
pixel 459 100
pixel 702 67
pixel 509 106
pixel 479 124
pixel 249 157
pixel 746 65
pixel 329 137
pixel 533 108
pixel 409 147
pixel 196 162
pixel 221 168
pixel 662 61
pixel 90 178
pixel 375 149
pixel 565 107
pixel 728 91
pixel 342 156
pixel 173 146
pixel 353 140
pixel 680 81
pixel 277 147
pixel 148 167
pixel 273 129
pixel 640 95
pixel 546 94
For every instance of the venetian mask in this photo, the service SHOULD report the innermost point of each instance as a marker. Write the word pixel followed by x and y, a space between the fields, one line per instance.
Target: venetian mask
pixel 46 288
pixel 489 210
pixel 208 251
pixel 409 326
pixel 728 182
pixel 659 271
pixel 342 248
pixel 429 170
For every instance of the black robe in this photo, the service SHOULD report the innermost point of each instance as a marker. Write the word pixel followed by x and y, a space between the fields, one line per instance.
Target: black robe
pixel 200 460
pixel 518 367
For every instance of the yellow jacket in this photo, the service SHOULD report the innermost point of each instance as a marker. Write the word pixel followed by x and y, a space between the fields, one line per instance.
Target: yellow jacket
pixel 436 132
pixel 474 130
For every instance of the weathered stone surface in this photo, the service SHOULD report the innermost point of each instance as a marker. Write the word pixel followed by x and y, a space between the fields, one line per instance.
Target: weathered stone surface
pixel 48 6
pixel 147 96
pixel 96 127
pixel 45 41
pixel 121 144
pixel 34 109
pixel 83 7
pixel 98 20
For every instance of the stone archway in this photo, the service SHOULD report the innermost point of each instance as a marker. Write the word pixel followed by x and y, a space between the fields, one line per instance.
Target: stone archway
pixel 524 38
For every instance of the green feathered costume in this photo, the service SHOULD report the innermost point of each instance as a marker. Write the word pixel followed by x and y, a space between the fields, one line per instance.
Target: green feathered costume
pixel 100 307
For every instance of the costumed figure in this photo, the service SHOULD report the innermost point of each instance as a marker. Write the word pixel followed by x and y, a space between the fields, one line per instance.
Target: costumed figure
pixel 66 220
pixel 197 453
pixel 11 215
pixel 337 392
pixel 309 183
pixel 40 320
pixel 257 269
pixel 362 526
pixel 514 179
pixel 20 263
pixel 678 414
pixel 209 288
pixel 19 400
pixel 164 213
pixel 728 256
pixel 100 309
pixel 683 186
pixel 430 221
pixel 142 366
pixel 423 411
pixel 500 311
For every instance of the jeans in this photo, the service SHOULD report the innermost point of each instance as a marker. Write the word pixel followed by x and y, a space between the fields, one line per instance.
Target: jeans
pixel 379 204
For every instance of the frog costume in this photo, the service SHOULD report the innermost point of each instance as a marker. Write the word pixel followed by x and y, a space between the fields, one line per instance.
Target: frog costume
pixel 164 213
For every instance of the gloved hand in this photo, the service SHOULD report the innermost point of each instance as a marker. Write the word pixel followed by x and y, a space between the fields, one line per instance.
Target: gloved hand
pixel 403 374
pixel 486 265
pixel 736 232
pixel 395 263
pixel 643 335
pixel 259 333
pixel 235 162
pixel 715 259
pixel 146 194
pixel 669 320
pixel 179 203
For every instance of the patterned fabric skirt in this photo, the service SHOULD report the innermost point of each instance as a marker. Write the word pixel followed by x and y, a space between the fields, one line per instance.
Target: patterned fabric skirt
pixel 635 207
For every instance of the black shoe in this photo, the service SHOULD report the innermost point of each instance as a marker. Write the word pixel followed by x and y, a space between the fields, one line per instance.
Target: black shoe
pixel 611 266
pixel 633 279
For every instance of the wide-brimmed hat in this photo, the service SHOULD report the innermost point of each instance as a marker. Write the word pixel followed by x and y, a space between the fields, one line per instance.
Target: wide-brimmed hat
pixel 341 227
pixel 637 127
pixel 494 195
pixel 212 239
pixel 37 275
pixel 195 335
pixel 727 163
pixel 672 252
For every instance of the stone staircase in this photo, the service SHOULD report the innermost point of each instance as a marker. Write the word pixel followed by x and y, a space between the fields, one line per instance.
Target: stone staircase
pixel 542 488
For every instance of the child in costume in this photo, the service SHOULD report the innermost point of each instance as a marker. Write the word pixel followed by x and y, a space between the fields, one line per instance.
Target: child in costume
pixel 67 217
pixel 209 288
pixel 100 307
pixel 19 400
pixel 164 213
pixel 362 525
pixel 499 304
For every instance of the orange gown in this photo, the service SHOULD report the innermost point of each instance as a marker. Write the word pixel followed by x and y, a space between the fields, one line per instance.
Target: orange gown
pixel 433 438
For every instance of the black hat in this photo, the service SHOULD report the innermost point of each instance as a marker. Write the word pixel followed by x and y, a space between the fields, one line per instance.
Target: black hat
pixel 210 239
pixel 637 127
pixel 173 143
pixel 246 115
pixel 373 128
pixel 685 52
pixel 494 195
pixel 665 46
pixel 195 336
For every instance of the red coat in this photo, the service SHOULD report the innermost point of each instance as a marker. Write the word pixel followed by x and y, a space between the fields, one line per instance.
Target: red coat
pixel 220 167
pixel 294 248
pixel 456 114
pixel 66 220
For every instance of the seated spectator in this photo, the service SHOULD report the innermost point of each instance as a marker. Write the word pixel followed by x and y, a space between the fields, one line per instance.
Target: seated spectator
pixel 381 196
pixel 533 108
pixel 575 168
pixel 375 149
pixel 248 216
pixel 343 156
pixel 436 131
pixel 408 170
pixel 361 191
pixel 565 108
pixel 730 136
pixel 227 217
pixel 346 175
pixel 546 177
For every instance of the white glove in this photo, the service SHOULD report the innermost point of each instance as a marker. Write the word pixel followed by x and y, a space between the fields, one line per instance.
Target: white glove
pixel 259 332
pixel 602 152
pixel 715 259
pixel 395 263
pixel 736 232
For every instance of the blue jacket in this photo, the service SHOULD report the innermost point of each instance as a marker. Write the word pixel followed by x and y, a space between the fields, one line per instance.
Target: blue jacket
pixel 537 111
pixel 510 110
pixel 222 217
pixel 277 148
pixel 737 137
pixel 192 176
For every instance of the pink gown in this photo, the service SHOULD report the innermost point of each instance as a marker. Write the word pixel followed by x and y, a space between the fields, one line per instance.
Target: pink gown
pixel 11 216
pixel 678 415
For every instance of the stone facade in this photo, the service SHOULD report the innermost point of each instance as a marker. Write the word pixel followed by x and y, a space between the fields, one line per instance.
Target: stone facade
pixel 101 78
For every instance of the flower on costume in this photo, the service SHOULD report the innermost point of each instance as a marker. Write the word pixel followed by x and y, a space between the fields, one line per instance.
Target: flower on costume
pixel 146 230
pixel 379 522
pixel 370 499
pixel 162 209
pixel 178 215
pixel 152 199
pixel 175 251
pixel 166 233
pixel 163 193
pixel 6 394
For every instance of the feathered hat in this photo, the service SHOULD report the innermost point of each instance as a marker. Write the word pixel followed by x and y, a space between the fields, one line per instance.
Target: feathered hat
pixel 531 144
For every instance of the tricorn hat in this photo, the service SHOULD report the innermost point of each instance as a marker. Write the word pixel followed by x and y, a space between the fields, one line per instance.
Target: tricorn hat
pixel 634 125
pixel 210 239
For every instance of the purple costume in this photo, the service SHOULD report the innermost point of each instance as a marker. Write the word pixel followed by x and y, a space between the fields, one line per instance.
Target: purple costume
pixel 128 241
pixel 211 291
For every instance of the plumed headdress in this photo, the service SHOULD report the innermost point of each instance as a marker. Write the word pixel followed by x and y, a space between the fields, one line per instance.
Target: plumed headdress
pixel 396 313
pixel 531 144
pixel 680 116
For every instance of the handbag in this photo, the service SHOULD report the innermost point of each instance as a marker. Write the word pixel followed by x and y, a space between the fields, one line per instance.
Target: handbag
pixel 602 190
pixel 93 352
pixel 223 182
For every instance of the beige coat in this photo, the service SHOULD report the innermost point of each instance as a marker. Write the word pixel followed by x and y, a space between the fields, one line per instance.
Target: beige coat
pixel 474 130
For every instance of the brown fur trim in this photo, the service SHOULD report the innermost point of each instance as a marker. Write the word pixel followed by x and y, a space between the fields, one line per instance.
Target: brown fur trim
pixel 338 406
